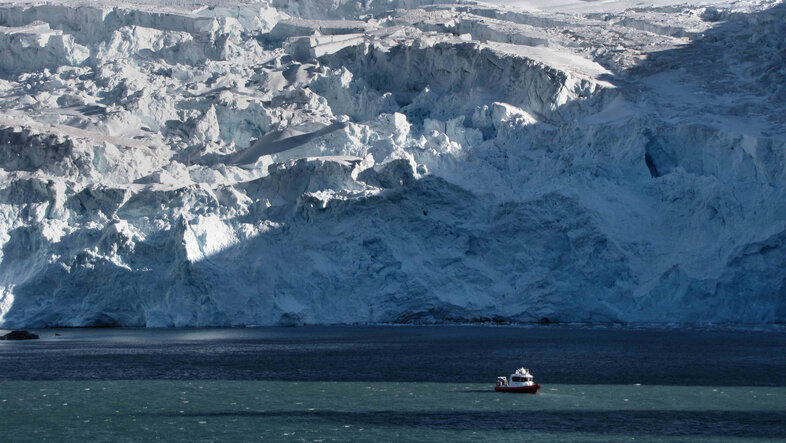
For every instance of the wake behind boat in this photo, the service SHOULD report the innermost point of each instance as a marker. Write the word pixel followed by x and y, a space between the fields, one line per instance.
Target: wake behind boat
pixel 519 382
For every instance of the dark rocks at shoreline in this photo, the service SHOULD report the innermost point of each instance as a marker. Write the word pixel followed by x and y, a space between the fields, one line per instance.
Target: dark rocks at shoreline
pixel 19 335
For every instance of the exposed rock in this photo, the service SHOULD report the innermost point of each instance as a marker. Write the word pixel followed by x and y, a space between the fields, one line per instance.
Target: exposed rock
pixel 19 335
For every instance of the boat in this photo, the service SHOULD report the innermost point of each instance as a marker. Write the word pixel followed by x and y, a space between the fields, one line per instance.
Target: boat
pixel 520 382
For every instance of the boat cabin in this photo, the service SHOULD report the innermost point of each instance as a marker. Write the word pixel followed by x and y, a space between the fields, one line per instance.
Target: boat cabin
pixel 521 377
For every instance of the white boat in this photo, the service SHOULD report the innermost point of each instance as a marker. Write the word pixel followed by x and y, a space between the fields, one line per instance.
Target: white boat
pixel 519 382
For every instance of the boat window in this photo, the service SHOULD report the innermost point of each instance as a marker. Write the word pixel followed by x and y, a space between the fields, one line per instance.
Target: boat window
pixel 516 378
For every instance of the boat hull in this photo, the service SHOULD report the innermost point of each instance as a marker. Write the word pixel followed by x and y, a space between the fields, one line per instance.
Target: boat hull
pixel 519 389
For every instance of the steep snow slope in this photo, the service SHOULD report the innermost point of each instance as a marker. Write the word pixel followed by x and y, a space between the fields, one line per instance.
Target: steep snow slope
pixel 323 161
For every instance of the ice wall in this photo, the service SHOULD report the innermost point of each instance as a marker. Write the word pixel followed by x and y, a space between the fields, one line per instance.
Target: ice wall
pixel 257 163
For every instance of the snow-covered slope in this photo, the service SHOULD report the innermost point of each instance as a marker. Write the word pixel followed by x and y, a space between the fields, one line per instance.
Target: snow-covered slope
pixel 335 161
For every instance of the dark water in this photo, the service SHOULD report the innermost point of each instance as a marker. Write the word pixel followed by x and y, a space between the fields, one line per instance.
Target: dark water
pixel 410 354
pixel 392 384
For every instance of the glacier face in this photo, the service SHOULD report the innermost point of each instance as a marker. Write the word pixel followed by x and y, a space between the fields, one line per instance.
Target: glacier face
pixel 289 162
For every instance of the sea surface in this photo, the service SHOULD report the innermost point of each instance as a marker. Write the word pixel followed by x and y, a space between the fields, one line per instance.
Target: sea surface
pixel 388 383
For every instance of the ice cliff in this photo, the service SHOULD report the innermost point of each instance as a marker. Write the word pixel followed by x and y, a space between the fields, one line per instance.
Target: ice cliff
pixel 412 161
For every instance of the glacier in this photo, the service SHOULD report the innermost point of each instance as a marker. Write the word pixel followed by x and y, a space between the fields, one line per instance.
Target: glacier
pixel 282 162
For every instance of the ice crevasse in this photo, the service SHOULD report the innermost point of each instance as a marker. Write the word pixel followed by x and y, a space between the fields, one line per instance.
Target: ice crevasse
pixel 336 162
